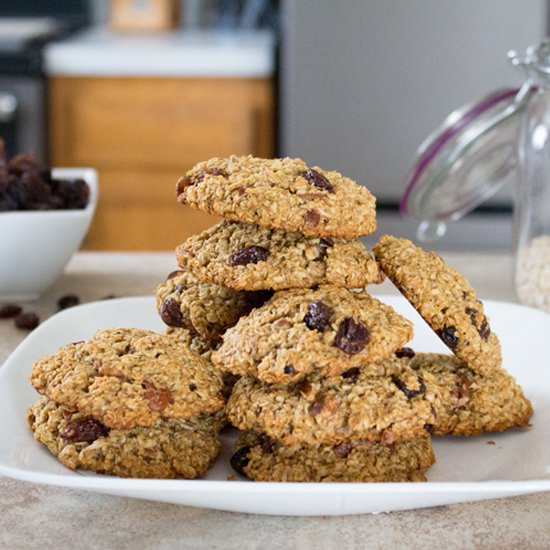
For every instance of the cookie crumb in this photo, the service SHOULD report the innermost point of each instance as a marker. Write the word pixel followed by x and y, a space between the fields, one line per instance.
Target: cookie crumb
pixel 231 478
pixel 491 442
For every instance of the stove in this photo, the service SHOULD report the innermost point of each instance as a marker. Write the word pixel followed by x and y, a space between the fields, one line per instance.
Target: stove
pixel 24 31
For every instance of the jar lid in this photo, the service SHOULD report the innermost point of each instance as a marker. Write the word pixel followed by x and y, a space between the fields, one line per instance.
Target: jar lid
pixel 465 161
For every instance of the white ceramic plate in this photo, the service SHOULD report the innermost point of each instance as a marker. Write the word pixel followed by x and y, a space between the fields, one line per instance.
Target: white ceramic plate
pixel 466 470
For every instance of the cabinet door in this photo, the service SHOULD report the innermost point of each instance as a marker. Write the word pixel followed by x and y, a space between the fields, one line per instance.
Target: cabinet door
pixel 142 134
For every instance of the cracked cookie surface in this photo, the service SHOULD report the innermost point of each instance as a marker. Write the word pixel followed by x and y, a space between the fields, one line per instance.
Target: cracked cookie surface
pixel 129 377
pixel 247 257
pixel 328 330
pixel 167 449
pixel 444 298
pixel 467 403
pixel 195 342
pixel 358 405
pixel 262 459
pixel 202 308
pixel 282 194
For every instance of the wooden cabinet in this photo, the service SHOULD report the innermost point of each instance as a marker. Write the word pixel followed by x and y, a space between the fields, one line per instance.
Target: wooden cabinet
pixel 141 134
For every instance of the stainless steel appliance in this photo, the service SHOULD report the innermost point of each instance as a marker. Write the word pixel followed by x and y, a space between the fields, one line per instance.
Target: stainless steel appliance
pixel 364 82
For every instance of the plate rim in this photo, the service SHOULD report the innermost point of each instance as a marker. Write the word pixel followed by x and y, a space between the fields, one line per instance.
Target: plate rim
pixel 205 485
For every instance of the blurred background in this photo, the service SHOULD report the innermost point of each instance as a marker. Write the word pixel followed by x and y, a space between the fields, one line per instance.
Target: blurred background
pixel 142 90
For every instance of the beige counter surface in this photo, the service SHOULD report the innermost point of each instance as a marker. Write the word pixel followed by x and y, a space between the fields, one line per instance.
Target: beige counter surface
pixel 33 516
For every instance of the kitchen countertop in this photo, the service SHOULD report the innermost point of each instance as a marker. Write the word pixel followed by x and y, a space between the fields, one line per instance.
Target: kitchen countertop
pixel 183 53
pixel 46 517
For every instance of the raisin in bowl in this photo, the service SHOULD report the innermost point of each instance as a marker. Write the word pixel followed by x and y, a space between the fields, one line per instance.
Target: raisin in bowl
pixel 36 245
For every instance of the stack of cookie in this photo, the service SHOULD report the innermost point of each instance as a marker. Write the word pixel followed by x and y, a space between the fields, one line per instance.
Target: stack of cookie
pixel 327 390
pixel 309 354
pixel 130 403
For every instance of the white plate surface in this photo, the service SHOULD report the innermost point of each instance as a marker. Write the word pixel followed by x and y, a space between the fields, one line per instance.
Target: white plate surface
pixel 467 469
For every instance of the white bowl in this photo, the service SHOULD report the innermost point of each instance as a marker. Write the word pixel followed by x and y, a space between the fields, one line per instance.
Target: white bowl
pixel 35 246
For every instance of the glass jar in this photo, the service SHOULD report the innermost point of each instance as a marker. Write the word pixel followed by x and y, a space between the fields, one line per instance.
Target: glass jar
pixel 503 139
pixel 532 197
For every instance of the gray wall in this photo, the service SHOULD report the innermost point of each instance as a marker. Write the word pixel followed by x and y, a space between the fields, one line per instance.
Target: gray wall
pixel 365 81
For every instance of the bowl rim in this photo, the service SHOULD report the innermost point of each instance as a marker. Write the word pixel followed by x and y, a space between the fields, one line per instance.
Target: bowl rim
pixel 89 175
